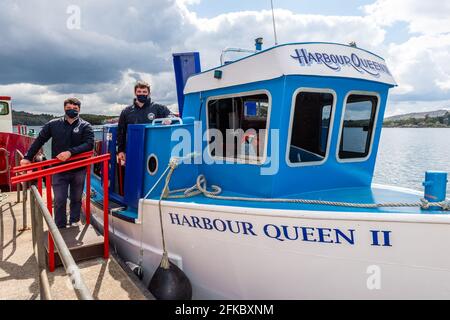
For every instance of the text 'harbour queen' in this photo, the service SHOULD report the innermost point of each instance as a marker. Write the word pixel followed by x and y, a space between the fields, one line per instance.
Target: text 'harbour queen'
pixel 336 62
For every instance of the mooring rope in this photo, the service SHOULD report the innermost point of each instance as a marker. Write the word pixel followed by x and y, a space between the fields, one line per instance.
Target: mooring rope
pixel 201 187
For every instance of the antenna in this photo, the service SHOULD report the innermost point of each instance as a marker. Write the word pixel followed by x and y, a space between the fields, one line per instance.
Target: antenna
pixel 274 26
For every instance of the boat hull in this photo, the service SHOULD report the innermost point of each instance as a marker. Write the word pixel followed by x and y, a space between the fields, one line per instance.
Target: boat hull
pixel 251 253
pixel 11 142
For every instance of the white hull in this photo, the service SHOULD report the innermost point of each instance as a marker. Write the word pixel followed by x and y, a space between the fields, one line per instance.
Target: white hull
pixel 245 266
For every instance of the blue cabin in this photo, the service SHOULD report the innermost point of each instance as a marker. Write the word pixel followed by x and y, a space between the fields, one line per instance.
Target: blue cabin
pixel 299 118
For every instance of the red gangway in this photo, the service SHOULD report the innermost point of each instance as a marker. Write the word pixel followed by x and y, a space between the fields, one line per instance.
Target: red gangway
pixel 43 170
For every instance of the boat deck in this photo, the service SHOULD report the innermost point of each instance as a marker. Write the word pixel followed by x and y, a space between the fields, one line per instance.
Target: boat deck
pixel 106 280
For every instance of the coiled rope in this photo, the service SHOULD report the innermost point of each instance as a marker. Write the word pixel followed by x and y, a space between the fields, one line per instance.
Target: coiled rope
pixel 201 187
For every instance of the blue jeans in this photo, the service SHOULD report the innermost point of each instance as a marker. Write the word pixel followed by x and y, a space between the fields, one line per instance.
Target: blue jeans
pixel 61 183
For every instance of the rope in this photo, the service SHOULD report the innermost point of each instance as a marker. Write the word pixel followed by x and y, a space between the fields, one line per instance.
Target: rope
pixel 201 188
pixel 173 164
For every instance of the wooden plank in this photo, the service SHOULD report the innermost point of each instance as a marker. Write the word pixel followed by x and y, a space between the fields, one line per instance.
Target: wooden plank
pixel 83 242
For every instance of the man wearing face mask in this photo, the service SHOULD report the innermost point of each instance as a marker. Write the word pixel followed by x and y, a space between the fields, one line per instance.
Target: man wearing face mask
pixel 70 136
pixel 143 110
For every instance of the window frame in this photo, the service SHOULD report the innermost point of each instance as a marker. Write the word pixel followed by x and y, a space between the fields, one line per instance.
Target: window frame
pixel 341 126
pixel 7 107
pixel 330 130
pixel 252 161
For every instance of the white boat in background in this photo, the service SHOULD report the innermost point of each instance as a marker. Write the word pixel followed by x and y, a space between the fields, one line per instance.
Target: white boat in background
pixel 12 144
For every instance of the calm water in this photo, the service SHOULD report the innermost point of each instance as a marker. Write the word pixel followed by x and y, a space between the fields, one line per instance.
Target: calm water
pixel 406 153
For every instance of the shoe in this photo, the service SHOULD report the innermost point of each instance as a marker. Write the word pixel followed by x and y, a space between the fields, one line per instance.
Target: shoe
pixel 75 224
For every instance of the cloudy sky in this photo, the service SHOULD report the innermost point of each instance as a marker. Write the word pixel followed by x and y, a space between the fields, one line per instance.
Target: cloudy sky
pixel 47 54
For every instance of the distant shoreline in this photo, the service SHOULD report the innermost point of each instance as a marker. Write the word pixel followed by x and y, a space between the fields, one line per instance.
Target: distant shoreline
pixel 415 127
pixel 31 119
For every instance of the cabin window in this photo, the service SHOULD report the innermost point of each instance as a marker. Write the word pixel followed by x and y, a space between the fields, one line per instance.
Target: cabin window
pixel 237 127
pixel 357 129
pixel 4 109
pixel 310 127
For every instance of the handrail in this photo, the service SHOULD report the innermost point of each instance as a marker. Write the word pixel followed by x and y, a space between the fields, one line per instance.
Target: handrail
pixel 38 165
pixel 180 121
pixel 70 266
pixel 226 50
pixel 62 168
pixel 18 155
pixel 47 174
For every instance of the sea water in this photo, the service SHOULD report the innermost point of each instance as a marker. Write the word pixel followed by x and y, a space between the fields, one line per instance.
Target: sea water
pixel 406 153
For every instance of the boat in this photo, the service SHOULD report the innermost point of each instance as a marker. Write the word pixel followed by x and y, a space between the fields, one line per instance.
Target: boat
pixel 262 188
pixel 13 145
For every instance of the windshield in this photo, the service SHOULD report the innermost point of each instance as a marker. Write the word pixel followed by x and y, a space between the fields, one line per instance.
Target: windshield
pixel 4 108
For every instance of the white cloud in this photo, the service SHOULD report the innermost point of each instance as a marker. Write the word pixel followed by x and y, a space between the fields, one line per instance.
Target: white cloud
pixel 420 64
pixel 425 17
pixel 421 67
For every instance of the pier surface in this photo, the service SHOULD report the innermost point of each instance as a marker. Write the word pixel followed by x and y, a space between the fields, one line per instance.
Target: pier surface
pixel 105 279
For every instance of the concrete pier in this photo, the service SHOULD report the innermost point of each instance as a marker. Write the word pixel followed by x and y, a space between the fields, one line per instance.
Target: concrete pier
pixel 105 279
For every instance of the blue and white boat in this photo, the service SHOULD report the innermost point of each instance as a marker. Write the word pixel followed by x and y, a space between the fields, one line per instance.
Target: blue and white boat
pixel 278 151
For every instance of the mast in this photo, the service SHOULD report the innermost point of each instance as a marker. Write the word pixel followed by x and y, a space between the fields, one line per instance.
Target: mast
pixel 274 24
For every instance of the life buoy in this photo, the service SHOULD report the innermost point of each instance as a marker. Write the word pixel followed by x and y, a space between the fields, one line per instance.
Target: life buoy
pixel 250 143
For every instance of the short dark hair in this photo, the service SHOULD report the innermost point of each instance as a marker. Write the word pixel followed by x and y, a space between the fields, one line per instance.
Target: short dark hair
pixel 141 85
pixel 73 101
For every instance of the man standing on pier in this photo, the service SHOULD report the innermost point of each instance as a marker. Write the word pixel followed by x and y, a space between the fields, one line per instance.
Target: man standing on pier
pixel 70 136
pixel 143 110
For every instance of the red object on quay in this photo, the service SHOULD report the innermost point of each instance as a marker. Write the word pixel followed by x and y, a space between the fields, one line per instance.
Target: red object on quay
pixel 78 161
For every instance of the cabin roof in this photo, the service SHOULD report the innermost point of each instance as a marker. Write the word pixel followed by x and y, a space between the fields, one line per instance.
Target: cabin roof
pixel 310 59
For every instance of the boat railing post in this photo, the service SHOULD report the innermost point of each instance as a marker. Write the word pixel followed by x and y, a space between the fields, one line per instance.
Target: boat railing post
pixel 24 186
pixel 39 248
pixel 105 209
pixel 33 224
pixel 51 246
pixel 17 163
pixel 88 195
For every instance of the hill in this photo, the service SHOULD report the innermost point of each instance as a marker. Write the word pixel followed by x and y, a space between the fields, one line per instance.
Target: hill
pixel 431 119
pixel 31 119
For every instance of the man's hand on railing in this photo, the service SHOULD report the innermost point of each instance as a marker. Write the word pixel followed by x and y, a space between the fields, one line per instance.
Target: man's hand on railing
pixel 24 162
pixel 63 156
pixel 121 158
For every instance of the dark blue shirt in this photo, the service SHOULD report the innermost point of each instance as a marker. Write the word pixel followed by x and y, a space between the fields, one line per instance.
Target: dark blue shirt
pixel 77 137
pixel 137 115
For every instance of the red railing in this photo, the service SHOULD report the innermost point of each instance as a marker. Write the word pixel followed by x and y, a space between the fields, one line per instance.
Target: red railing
pixel 22 129
pixel 78 161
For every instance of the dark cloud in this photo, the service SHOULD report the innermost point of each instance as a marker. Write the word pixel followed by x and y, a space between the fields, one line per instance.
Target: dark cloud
pixel 38 48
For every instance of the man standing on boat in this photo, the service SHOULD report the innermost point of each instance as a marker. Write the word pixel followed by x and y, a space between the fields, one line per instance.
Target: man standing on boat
pixel 70 136
pixel 143 110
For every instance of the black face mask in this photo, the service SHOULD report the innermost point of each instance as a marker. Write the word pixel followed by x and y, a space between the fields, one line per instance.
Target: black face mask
pixel 71 113
pixel 142 98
